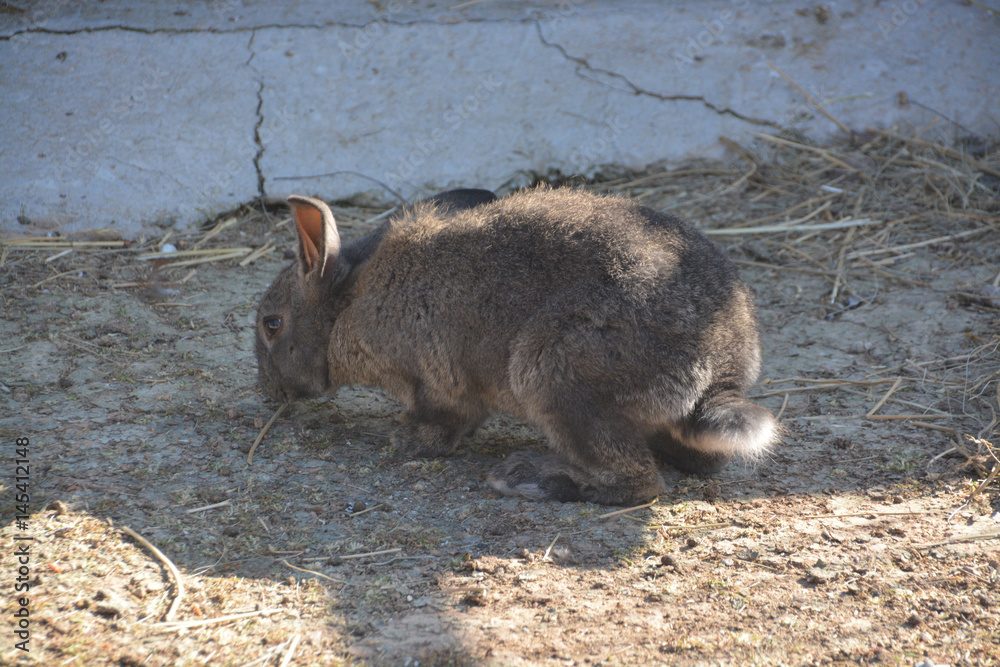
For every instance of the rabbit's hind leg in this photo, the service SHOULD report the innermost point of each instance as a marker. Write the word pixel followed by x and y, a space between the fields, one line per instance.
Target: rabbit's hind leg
pixel 678 455
pixel 598 462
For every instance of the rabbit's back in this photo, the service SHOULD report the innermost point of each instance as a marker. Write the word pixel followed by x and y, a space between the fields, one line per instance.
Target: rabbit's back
pixel 531 244
pixel 648 298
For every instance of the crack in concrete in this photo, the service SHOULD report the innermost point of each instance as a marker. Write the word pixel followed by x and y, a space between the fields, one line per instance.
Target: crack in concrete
pixel 260 119
pixel 251 29
pixel 256 137
pixel 151 31
pixel 635 89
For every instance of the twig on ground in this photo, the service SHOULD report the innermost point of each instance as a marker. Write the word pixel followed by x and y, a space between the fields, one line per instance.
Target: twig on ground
pixel 629 509
pixel 212 233
pixel 953 540
pixel 284 552
pixel 548 552
pixel 263 431
pixel 291 651
pixel 885 397
pixel 682 527
pixel 369 554
pixel 268 654
pixel 784 404
pixel 864 514
pixel 812 149
pixel 780 229
pixel 195 510
pixel 365 511
pixel 172 626
pixel 934 427
pixel 312 572
pixel 892 417
pixel 988 446
pixel 174 572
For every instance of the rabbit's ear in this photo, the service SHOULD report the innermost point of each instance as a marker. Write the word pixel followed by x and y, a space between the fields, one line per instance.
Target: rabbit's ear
pixel 319 241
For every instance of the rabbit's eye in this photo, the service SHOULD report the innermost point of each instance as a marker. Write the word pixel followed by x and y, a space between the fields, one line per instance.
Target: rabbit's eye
pixel 272 325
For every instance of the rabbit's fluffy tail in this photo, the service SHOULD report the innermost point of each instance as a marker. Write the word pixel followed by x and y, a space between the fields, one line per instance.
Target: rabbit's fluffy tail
pixel 731 425
pixel 722 427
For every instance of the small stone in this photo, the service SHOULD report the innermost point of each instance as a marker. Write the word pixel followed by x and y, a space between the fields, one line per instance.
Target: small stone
pixel 834 536
pixel 667 559
pixel 476 597
pixel 914 620
pixel 692 542
pixel 820 576
pixel 62 626
pixel 130 658
pixel 58 507
pixel 966 612
pixel 110 603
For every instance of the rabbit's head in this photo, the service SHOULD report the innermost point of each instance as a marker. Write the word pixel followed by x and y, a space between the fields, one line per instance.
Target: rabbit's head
pixel 296 315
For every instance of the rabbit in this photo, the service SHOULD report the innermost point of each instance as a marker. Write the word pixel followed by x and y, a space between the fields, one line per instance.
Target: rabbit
pixel 623 333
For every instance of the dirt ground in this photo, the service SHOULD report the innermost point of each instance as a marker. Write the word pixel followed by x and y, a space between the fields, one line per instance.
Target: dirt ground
pixel 854 542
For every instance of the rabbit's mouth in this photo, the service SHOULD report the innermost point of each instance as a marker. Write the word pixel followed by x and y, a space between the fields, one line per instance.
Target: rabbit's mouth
pixel 283 393
pixel 273 394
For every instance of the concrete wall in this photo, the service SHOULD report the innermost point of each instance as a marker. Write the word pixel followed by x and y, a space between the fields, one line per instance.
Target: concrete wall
pixel 138 114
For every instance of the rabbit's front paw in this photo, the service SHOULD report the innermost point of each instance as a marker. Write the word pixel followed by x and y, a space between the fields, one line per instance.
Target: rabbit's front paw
pixel 421 440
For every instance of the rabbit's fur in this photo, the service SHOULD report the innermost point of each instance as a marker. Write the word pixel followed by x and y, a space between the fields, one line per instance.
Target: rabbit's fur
pixel 623 333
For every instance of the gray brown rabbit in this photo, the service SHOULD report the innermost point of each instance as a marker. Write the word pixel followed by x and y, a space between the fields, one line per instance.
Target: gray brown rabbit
pixel 624 334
